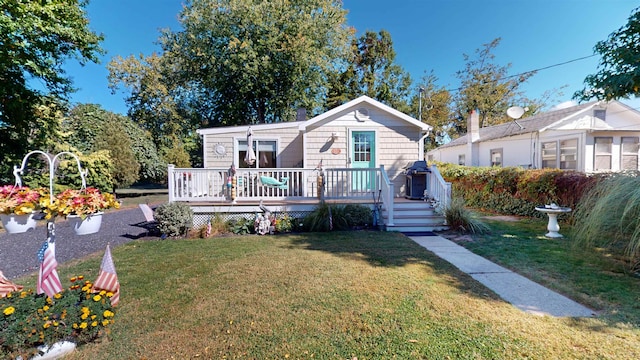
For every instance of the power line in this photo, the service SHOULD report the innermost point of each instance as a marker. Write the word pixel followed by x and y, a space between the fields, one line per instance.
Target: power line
pixel 533 71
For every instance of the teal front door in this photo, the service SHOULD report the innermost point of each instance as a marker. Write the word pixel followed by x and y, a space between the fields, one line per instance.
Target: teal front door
pixel 363 155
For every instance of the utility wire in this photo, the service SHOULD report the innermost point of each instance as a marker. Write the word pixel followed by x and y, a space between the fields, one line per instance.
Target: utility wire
pixel 532 71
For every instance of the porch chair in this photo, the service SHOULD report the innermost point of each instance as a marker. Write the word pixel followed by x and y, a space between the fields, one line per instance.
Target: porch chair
pixel 150 224
pixel 268 181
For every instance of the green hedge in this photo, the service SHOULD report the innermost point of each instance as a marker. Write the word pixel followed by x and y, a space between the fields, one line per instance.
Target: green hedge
pixel 514 190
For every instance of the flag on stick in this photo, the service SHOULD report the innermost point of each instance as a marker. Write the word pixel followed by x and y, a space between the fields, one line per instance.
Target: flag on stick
pixel 108 279
pixel 48 280
pixel 6 286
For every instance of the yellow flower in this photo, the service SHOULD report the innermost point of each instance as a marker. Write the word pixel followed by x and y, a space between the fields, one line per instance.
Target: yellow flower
pixel 93 317
pixel 102 292
pixel 107 313
pixel 105 322
pixel 75 326
pixel 46 325
pixel 8 311
pixel 83 325
pixel 9 295
pixel 57 296
pixel 97 298
pixel 84 316
pixel 109 294
pixel 85 310
pixel 45 308
pixel 94 324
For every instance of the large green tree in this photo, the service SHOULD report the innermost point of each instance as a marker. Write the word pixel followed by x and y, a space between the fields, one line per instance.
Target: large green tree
pixel 240 61
pixel 36 38
pixel 618 74
pixel 371 70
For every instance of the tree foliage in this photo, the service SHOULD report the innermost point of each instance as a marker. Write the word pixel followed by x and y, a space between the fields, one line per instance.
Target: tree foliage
pixel 618 74
pixel 91 128
pixel 436 110
pixel 237 62
pixel 36 38
pixel 371 70
pixel 486 86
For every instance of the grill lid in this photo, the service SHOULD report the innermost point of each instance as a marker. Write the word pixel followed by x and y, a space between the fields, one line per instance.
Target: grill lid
pixel 419 165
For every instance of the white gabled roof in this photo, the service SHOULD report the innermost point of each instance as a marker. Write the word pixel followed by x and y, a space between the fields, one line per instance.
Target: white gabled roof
pixel 302 125
pixel 364 100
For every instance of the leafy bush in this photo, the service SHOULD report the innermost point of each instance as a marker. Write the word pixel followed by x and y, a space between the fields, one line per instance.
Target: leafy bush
pixel 358 215
pixel 174 218
pixel 326 217
pixel 461 219
pixel 241 226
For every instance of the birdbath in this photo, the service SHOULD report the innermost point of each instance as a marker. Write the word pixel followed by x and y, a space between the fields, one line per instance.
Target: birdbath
pixel 552 212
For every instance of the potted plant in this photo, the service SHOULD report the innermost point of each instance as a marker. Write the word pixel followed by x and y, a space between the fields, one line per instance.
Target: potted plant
pixel 18 204
pixel 31 323
pixel 84 208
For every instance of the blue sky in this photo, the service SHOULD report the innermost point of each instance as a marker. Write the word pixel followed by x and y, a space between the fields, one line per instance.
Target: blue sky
pixel 427 34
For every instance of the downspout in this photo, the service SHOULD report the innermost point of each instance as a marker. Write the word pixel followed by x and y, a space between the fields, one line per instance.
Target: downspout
pixel 421 145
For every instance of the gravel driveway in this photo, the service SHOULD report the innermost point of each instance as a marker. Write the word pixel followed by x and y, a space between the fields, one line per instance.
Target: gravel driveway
pixel 18 252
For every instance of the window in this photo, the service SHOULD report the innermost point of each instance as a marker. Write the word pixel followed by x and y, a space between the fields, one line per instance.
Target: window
pixel 569 154
pixel 600 114
pixel 496 157
pixel 461 159
pixel 561 154
pixel 265 151
pixel 549 154
pixel 629 153
pixel 602 153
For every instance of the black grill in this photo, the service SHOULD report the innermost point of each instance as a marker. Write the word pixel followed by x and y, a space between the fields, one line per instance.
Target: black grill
pixel 416 175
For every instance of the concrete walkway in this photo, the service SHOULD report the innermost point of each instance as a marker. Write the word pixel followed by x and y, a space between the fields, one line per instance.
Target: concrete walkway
pixel 523 293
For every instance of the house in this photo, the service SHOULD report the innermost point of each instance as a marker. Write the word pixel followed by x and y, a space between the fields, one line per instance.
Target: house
pixel 592 137
pixel 355 152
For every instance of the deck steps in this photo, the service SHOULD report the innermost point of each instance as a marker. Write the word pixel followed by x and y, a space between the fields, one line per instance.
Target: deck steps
pixel 414 216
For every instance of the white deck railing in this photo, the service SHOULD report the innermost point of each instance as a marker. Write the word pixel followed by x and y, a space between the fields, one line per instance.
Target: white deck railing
pixel 438 188
pixel 369 184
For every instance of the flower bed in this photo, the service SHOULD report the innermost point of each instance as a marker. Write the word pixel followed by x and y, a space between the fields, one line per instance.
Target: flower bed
pixel 75 314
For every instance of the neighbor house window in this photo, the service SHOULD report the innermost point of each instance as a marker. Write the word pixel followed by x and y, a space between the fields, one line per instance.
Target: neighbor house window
pixel 600 114
pixel 602 153
pixel 629 153
pixel 461 159
pixel 549 154
pixel 569 154
pixel 496 157
pixel 561 154
pixel 265 151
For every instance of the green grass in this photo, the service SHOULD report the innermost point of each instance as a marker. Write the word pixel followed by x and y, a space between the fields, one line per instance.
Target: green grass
pixel 336 295
pixel 592 276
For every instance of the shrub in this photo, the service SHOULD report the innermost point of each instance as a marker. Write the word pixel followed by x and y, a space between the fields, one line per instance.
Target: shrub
pixel 241 226
pixel 173 218
pixel 326 217
pixel 461 219
pixel 358 215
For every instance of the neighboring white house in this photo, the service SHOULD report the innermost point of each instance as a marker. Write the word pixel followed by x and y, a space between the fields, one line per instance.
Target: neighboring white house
pixel 362 133
pixel 591 137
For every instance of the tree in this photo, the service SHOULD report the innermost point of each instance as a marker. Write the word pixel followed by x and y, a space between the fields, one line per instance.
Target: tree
pixel 371 71
pixel 245 61
pixel 485 86
pixel 618 73
pixel 436 110
pixel 36 38
pixel 89 128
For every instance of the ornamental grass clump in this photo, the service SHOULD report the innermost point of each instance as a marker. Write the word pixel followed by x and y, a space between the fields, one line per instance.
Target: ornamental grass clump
pixel 76 314
pixel 459 218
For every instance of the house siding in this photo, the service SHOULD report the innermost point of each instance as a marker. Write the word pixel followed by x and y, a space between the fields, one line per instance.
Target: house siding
pixel 396 143
pixel 289 152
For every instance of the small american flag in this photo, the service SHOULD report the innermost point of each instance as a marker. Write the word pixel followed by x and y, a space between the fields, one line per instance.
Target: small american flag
pixel 108 279
pixel 48 280
pixel 6 286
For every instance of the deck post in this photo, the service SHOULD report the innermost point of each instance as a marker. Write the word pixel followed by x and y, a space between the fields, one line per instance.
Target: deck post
pixel 171 182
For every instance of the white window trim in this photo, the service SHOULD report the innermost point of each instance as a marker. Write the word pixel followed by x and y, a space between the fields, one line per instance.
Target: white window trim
pixel 236 150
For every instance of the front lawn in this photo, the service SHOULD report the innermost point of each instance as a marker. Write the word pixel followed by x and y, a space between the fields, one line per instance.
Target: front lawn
pixel 340 295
